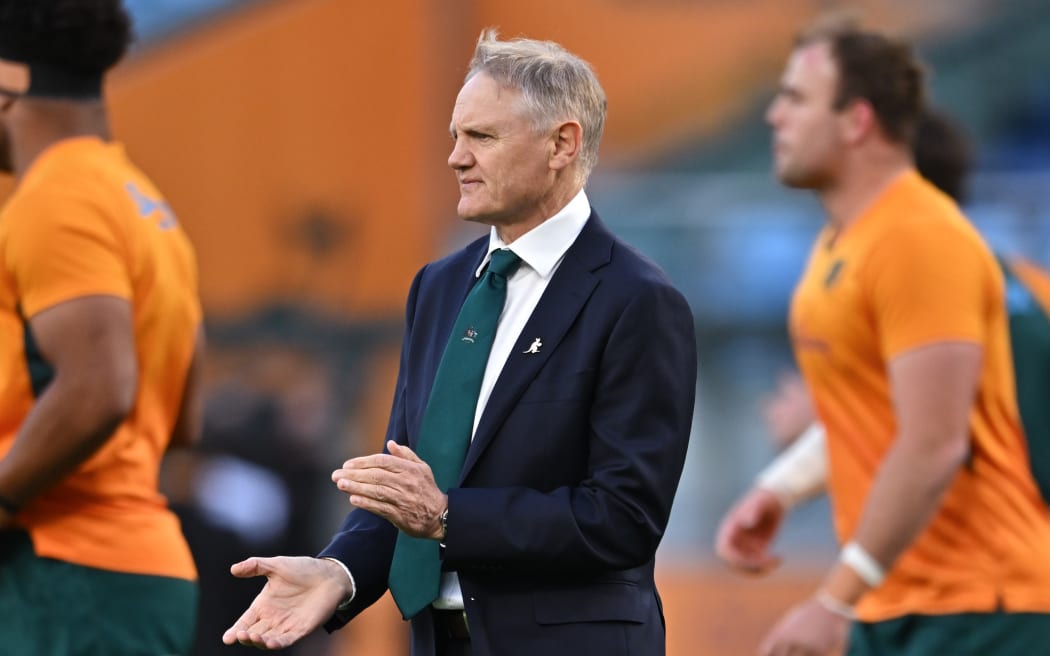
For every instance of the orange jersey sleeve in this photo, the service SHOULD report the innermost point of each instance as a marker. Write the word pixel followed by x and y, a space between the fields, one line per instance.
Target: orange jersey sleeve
pixel 928 285
pixel 60 248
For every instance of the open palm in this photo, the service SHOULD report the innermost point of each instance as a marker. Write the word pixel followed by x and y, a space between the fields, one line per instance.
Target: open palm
pixel 300 593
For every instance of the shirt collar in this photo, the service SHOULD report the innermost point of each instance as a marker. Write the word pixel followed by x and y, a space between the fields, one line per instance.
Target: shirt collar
pixel 543 247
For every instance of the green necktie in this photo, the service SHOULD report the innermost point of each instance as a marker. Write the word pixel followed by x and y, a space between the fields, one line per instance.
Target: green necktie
pixel 415 573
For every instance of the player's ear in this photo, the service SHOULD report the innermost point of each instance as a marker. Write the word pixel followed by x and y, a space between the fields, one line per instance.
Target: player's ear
pixel 859 121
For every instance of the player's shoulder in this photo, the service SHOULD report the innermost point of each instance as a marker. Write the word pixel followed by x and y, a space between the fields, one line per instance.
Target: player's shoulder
pixel 924 220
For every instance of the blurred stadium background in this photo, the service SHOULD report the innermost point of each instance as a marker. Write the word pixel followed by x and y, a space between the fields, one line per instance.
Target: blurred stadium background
pixel 303 143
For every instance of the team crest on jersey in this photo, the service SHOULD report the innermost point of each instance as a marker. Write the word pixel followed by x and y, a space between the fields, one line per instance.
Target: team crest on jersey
pixel 834 271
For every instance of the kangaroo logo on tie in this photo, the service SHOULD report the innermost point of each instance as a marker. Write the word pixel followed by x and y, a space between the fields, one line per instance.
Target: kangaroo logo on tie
pixel 469 334
pixel 535 348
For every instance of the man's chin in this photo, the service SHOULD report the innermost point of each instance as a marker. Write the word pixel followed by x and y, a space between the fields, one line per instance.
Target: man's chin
pixel 470 214
pixel 792 179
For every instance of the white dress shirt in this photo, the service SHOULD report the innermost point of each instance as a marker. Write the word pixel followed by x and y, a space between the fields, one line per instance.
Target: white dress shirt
pixel 541 251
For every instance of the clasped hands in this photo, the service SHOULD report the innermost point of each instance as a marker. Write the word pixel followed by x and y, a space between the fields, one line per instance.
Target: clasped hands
pixel 399 487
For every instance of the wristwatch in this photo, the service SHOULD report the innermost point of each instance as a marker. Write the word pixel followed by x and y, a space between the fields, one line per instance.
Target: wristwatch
pixel 444 526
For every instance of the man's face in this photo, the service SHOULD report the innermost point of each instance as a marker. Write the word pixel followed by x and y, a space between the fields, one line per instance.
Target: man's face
pixel 807 140
pixel 500 159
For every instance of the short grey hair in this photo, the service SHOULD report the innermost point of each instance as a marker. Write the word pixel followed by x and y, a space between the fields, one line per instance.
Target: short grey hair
pixel 555 85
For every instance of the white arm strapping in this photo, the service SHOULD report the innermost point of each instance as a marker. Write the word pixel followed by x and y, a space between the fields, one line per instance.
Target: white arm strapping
pixel 801 471
pixel 863 563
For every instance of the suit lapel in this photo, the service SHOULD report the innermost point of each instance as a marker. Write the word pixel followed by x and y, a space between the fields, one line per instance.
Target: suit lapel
pixel 561 303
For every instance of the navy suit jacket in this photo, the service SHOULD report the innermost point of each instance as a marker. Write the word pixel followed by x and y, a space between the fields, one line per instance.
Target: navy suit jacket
pixel 568 483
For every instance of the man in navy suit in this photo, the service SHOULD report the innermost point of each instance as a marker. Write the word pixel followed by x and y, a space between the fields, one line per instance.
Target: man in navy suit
pixel 548 538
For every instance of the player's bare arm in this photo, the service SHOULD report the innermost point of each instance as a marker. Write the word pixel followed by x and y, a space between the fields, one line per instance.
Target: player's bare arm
pixel 89 344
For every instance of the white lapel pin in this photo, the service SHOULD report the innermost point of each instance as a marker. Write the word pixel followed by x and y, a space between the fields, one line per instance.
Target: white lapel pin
pixel 535 348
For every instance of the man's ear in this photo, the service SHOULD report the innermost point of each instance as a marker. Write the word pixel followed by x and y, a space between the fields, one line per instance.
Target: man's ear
pixel 859 121
pixel 566 141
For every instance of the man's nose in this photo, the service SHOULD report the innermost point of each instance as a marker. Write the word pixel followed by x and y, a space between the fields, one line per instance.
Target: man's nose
pixel 460 157
pixel 773 113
